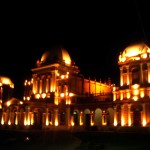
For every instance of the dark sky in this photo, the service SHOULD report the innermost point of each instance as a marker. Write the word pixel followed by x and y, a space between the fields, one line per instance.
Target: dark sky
pixel 93 32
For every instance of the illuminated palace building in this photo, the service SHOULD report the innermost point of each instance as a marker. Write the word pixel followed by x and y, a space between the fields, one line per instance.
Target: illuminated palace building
pixel 58 95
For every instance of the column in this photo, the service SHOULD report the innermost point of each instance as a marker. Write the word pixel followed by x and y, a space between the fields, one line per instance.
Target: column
pixel 104 119
pixel 47 85
pixel 3 118
pixel 44 84
pixel 122 115
pixel 47 117
pixel 143 115
pixel 56 117
pixel 91 118
pixel 34 90
pixel 1 93
pixel 17 119
pixel 95 87
pixel 148 64
pixel 72 120
pixel 52 121
pixel 27 116
pixel 121 77
pixel 37 86
pixel 141 73
pixel 121 95
pixel 32 118
pixel 53 82
pixel 81 118
pixel 129 114
pixel 115 116
pixel 40 86
pixel 10 116
pixel 128 81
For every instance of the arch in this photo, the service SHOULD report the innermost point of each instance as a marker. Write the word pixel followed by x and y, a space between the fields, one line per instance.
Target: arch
pixel 37 113
pixel 87 117
pixel 98 117
pixel 51 116
pixel 135 74
pixel 136 115
pixel 76 117
pixel 118 114
pixel 62 120
pixel 110 116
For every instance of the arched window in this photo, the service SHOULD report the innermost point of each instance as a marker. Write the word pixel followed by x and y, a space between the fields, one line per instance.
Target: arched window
pixel 145 73
pixel 124 76
pixel 135 75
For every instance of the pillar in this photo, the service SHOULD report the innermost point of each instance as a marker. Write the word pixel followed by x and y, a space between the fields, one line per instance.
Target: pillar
pixel 91 118
pixel 141 73
pixel 104 119
pixel 95 88
pixel 40 86
pixel 56 121
pixel 81 118
pixel 129 114
pixel 121 76
pixel 148 64
pixel 122 116
pixel 37 86
pixel 128 80
pixel 115 116
pixel 47 85
pixel 53 82
pixel 17 118
pixel 47 117
pixel 34 90
pixel 143 115
pixel 3 118
pixel 27 116
pixel 10 116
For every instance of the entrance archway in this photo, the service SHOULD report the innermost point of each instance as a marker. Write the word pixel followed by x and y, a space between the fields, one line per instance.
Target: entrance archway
pixel 136 109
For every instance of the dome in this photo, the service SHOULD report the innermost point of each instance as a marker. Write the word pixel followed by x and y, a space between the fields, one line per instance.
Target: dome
pixel 134 51
pixel 6 81
pixel 54 55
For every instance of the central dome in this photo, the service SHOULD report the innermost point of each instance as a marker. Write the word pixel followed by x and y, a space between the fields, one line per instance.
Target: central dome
pixel 6 81
pixel 57 54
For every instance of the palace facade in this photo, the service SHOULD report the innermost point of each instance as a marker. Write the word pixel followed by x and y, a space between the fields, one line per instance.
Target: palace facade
pixel 58 95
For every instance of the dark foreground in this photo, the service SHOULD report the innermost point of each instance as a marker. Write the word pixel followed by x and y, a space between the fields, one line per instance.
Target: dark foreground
pixel 68 140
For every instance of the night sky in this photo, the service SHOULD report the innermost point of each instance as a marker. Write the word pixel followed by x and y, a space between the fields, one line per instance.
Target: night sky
pixel 93 32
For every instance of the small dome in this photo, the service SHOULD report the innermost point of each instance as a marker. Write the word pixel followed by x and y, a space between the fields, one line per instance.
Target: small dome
pixel 134 51
pixel 57 54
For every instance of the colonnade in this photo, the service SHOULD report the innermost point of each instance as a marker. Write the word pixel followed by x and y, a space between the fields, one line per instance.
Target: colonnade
pixel 29 117
pixel 126 115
